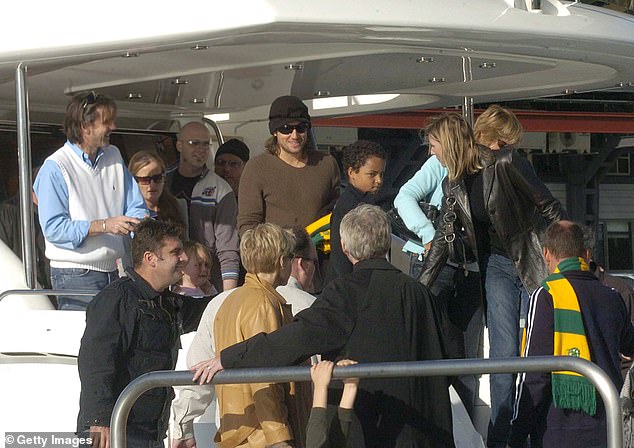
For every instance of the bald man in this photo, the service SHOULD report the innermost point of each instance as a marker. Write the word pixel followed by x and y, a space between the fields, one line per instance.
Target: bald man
pixel 211 204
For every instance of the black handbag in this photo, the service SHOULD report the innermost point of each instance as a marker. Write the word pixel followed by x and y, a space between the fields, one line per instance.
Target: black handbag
pixel 400 229
pixel 459 251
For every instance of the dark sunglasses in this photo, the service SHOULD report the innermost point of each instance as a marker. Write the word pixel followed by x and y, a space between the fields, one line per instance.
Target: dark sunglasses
pixel 230 163
pixel 289 128
pixel 314 260
pixel 91 98
pixel 145 180
pixel 87 105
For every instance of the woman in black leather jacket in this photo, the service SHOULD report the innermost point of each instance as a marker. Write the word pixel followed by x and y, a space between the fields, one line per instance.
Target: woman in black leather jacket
pixel 494 209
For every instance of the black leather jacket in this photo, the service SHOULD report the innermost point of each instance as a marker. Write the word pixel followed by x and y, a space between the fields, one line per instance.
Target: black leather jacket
pixel 519 206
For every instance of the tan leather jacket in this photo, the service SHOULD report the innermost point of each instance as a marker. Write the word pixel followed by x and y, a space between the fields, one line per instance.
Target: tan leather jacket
pixel 257 415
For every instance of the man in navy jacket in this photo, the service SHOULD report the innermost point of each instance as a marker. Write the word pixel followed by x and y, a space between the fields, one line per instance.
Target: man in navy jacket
pixel 606 327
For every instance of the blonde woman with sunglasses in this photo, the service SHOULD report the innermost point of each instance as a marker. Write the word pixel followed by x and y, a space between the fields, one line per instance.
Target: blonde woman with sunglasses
pixel 148 170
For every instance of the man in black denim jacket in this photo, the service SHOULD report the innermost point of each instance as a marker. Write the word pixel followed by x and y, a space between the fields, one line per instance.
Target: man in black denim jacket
pixel 133 327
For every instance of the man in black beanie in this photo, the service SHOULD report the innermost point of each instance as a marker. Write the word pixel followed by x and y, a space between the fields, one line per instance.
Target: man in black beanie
pixel 291 184
pixel 229 162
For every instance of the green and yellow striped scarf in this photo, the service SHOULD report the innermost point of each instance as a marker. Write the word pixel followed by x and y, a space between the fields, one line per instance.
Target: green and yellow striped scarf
pixel 319 232
pixel 570 390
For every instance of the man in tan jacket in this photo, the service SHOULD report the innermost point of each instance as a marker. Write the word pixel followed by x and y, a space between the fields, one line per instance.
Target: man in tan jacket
pixel 258 415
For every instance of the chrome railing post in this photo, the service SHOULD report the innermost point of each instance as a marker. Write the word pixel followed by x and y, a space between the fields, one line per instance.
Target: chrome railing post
pixel 591 371
pixel 216 129
pixel 47 292
pixel 24 167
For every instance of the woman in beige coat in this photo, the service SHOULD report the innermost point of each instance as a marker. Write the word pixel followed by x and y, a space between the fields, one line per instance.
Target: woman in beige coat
pixel 259 415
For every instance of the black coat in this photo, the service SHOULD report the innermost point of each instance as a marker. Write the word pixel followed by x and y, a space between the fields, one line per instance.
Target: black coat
pixel 374 314
pixel 519 206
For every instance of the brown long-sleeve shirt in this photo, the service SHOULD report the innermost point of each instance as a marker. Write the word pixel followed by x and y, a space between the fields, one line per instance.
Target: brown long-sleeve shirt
pixel 273 191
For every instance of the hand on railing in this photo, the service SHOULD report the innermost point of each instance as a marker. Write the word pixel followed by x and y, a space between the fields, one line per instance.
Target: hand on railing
pixel 205 370
pixel 100 436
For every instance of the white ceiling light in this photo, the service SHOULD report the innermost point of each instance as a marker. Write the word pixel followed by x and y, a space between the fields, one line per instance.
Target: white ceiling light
pixel 218 117
pixel 330 103
pixel 373 99
pixel 357 100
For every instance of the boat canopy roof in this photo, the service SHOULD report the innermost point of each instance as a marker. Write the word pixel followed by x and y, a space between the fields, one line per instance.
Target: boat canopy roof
pixel 202 57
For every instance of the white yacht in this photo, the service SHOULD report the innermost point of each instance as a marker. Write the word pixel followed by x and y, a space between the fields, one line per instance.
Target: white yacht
pixel 168 63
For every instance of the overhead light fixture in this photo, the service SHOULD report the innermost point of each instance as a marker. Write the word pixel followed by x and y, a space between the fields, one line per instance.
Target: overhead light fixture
pixel 295 67
pixel 130 54
pixel 486 65
pixel 198 100
pixel 356 100
pixel 363 100
pixel 199 47
pixel 425 60
pixel 330 103
pixel 217 118
pixel 134 96
pixel 180 81
pixel 438 79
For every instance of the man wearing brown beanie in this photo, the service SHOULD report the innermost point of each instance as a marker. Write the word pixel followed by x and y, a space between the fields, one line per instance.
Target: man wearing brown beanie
pixel 290 184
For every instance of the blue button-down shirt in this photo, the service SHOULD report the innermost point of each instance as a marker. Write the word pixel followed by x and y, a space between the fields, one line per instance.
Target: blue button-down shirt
pixel 52 196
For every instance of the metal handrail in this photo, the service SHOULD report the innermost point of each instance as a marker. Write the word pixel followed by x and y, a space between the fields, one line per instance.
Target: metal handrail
pixel 25 181
pixel 48 292
pixel 445 367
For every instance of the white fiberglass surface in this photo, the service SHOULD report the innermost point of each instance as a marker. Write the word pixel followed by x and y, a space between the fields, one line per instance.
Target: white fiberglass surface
pixel 42 395
pixel 55 332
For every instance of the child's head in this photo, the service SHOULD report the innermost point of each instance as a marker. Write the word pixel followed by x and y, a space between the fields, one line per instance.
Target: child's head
pixel 198 269
pixel 364 162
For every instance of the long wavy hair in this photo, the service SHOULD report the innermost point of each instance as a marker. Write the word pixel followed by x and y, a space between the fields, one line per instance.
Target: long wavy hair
pixel 460 152
pixel 168 209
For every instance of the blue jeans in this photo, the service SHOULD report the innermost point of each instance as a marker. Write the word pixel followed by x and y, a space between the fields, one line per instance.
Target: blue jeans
pixel 79 279
pixel 507 305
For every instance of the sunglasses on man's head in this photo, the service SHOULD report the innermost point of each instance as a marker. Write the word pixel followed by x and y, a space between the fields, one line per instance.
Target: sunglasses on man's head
pixel 289 128
pixel 89 101
pixel 91 98
pixel 145 180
